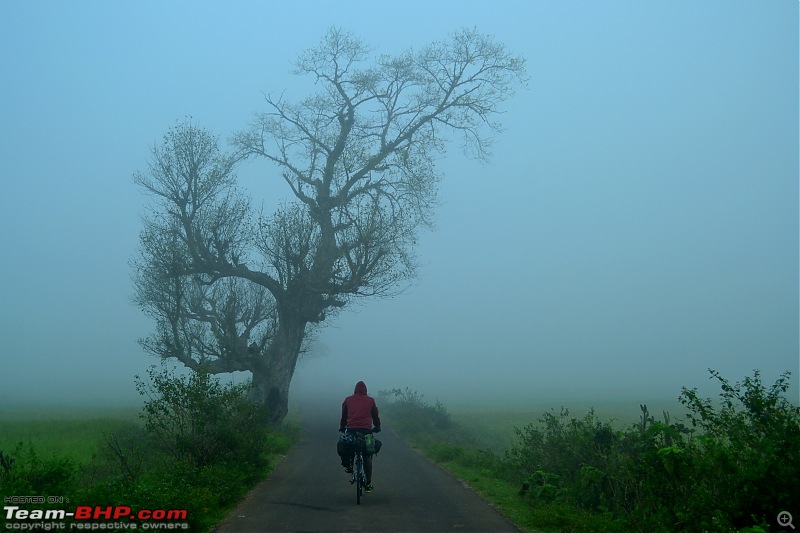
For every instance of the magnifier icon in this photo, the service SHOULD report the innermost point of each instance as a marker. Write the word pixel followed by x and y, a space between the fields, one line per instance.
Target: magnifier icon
pixel 785 519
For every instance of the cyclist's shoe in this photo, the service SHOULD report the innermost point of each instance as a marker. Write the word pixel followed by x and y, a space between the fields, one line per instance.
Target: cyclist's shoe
pixel 368 488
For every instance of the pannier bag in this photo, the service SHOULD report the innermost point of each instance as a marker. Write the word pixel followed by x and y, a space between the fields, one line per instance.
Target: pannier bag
pixel 373 445
pixel 369 441
pixel 346 445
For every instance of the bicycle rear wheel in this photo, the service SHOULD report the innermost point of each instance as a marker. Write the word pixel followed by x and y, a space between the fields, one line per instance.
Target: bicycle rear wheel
pixel 359 471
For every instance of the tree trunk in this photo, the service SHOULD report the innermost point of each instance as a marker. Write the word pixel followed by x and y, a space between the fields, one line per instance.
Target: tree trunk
pixel 273 375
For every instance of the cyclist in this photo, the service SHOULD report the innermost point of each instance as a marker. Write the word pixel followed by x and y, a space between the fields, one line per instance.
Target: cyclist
pixel 359 415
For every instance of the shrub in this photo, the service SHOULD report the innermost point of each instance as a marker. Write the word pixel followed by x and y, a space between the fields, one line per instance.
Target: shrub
pixel 421 423
pixel 23 472
pixel 735 468
pixel 563 445
pixel 747 454
pixel 205 445
pixel 408 404
pixel 195 418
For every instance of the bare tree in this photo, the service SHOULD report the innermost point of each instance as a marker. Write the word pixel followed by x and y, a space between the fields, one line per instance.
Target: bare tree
pixel 232 290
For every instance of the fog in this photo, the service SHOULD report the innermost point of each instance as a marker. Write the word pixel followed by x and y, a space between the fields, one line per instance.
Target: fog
pixel 636 224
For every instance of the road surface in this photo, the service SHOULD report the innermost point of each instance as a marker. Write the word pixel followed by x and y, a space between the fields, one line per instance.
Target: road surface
pixel 309 491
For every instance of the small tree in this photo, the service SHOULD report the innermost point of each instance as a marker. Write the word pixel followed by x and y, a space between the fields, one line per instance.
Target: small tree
pixel 198 420
pixel 233 291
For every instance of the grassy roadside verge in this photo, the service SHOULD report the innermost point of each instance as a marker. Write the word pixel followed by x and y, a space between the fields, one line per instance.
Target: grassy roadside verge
pixel 432 431
pixel 91 473
pixel 728 466
pixel 505 496
pixel 198 446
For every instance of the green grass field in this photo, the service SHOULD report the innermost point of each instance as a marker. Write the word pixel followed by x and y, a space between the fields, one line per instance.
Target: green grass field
pixel 75 433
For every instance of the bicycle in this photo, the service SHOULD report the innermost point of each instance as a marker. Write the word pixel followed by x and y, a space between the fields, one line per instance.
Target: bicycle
pixel 359 477
pixel 357 442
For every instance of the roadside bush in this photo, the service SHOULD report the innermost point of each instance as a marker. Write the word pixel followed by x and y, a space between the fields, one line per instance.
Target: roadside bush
pixel 23 472
pixel 650 474
pixel 406 404
pixel 203 445
pixel 566 458
pixel 124 453
pixel 564 444
pixel 746 457
pixel 735 468
pixel 421 423
pixel 195 418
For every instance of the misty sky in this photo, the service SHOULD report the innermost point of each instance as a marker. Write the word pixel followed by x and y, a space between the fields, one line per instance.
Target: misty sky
pixel 636 225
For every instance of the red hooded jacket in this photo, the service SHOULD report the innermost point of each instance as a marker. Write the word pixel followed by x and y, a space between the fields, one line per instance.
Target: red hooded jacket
pixel 359 411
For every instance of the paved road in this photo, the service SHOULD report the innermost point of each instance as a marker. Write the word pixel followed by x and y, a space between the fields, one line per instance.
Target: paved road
pixel 309 491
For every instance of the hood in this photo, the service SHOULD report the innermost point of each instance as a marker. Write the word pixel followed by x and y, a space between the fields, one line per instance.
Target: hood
pixel 361 388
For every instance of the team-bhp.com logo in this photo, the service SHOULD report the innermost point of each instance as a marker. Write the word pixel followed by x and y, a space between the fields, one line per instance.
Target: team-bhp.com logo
pixel 117 517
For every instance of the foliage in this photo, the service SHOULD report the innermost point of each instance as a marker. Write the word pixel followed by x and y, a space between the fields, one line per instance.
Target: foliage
pixel 406 404
pixel 201 447
pixel 732 468
pixel 747 456
pixel 195 418
pixel 23 471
